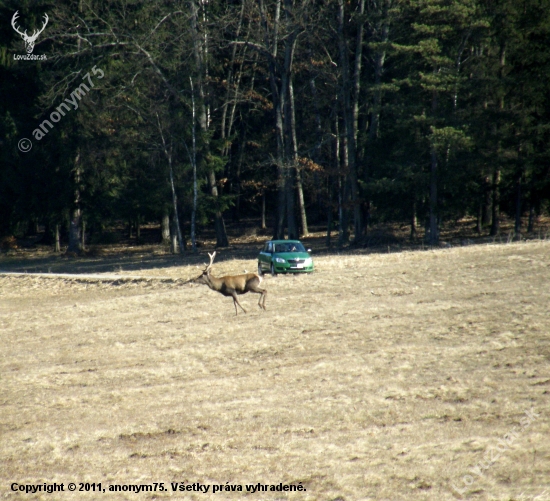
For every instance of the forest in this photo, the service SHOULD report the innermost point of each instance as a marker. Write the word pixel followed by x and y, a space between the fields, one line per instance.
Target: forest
pixel 335 113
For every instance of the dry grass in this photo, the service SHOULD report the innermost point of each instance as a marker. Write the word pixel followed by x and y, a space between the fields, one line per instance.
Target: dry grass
pixel 382 377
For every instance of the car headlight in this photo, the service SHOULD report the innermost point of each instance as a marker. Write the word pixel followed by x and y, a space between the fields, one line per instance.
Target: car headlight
pixel 279 260
pixel 308 262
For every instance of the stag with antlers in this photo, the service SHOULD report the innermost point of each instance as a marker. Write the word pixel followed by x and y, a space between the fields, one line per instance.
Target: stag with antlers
pixel 233 285
pixel 29 40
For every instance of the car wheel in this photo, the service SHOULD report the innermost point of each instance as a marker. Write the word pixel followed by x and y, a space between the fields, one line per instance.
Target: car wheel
pixel 272 270
pixel 260 271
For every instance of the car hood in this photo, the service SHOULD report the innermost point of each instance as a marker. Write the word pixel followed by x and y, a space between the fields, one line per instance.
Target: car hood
pixel 292 255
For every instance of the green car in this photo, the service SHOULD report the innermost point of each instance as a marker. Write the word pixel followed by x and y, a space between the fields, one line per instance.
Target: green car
pixel 284 256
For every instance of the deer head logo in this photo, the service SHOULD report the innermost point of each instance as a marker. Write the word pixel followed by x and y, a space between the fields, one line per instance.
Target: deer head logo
pixel 29 40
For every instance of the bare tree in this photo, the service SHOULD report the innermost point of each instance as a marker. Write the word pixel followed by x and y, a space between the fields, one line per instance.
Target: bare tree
pixel 199 17
pixel 168 151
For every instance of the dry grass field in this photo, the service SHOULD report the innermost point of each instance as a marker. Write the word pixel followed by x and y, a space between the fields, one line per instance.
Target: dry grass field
pixel 403 376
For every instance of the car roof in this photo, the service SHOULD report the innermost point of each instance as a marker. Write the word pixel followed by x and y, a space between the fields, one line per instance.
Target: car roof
pixel 284 241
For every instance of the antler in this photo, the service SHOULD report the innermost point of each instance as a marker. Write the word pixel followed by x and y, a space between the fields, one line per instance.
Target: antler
pixel 14 26
pixel 212 256
pixel 207 267
pixel 34 36
pixel 37 32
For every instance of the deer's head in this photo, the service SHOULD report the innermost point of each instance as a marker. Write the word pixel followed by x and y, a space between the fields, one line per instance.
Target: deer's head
pixel 204 277
pixel 29 40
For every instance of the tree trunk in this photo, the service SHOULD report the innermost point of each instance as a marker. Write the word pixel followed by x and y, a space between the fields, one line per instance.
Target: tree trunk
pixel 83 235
pixel 434 233
pixel 495 222
pixel 350 102
pixel 282 109
pixel 74 232
pixel 517 225
pixel 345 104
pixel 194 165
pixel 279 220
pixel 378 72
pixel 340 161
pixel 298 172
pixel 290 186
pixel 414 222
pixel 317 152
pixel 174 236
pixel 329 213
pixel 57 239
pixel 495 209
pixel 532 198
pixel 486 202
pixel 375 113
pixel 168 152
pixel 165 228
pixel 290 155
pixel 200 52
pixel 434 219
pixel 263 225
pixel 531 222
pixel 237 176
pixel 358 220
pixel 176 221
pixel 232 82
pixel 301 203
pixel 221 234
pixel 75 242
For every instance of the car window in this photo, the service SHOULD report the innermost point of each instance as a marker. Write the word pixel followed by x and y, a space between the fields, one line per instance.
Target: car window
pixel 269 247
pixel 291 247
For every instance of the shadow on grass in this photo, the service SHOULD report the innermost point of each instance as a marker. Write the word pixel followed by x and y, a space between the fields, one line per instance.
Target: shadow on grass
pixel 131 258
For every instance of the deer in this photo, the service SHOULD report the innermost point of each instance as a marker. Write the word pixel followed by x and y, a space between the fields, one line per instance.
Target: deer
pixel 29 40
pixel 232 285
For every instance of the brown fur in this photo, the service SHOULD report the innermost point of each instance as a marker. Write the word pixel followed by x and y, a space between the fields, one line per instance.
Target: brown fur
pixel 233 285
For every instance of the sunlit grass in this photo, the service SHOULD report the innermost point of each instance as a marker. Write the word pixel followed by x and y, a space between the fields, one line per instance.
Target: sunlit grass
pixel 377 377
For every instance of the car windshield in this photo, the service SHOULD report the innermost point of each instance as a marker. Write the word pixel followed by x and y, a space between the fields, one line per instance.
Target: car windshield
pixel 290 247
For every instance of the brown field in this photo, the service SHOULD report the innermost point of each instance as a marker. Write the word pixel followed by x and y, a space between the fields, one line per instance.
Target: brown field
pixel 379 377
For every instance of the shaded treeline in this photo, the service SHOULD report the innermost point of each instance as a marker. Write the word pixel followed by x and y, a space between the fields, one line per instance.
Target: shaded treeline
pixel 340 113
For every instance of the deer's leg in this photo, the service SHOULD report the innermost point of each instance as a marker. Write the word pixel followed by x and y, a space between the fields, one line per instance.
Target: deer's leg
pixel 263 292
pixel 261 302
pixel 236 302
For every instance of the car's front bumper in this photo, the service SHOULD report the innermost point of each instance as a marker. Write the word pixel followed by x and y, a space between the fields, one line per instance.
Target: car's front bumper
pixel 287 268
